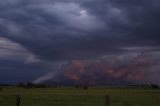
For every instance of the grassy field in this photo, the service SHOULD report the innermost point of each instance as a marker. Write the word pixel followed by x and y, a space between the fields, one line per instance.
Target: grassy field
pixel 80 97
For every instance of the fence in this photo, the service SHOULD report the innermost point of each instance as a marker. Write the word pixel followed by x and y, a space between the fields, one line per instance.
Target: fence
pixel 19 99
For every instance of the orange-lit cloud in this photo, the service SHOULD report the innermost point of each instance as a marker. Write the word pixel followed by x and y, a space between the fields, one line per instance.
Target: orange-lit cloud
pixel 90 72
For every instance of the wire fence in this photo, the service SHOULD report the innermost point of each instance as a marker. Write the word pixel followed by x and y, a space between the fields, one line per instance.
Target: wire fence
pixel 56 100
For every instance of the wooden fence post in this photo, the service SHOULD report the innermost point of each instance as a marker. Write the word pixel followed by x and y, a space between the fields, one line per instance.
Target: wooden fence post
pixel 18 100
pixel 107 101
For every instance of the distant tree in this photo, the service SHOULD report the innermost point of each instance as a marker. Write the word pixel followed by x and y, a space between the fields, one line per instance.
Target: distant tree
pixel 77 87
pixel 30 84
pixel 154 86
pixel 54 86
pixel 85 87
pixel 21 84
pixel 6 85
pixel 40 86
pixel 145 85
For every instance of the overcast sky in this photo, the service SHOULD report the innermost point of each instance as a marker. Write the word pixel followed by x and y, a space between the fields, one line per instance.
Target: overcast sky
pixel 57 40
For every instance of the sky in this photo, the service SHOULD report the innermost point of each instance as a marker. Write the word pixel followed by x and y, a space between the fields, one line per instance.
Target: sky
pixel 96 42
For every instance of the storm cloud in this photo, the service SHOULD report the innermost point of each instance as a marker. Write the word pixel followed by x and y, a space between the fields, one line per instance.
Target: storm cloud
pixel 57 31
pixel 111 70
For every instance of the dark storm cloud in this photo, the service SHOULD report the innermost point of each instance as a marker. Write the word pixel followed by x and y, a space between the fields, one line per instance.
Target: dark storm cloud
pixel 62 30
pixel 135 21
pixel 14 71
pixel 72 29
pixel 144 16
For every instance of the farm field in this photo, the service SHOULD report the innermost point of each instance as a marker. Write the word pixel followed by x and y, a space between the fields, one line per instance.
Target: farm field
pixel 80 97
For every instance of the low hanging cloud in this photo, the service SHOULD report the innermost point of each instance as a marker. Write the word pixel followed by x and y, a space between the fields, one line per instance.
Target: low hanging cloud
pixel 13 51
pixel 115 70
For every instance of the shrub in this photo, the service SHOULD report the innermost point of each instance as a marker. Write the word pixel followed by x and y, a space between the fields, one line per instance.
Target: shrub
pixel 85 87
pixel 154 86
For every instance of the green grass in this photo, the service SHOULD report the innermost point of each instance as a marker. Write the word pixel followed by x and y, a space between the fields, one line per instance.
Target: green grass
pixel 80 97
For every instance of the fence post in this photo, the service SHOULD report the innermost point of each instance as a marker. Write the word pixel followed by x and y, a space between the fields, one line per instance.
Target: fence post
pixel 107 101
pixel 18 100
